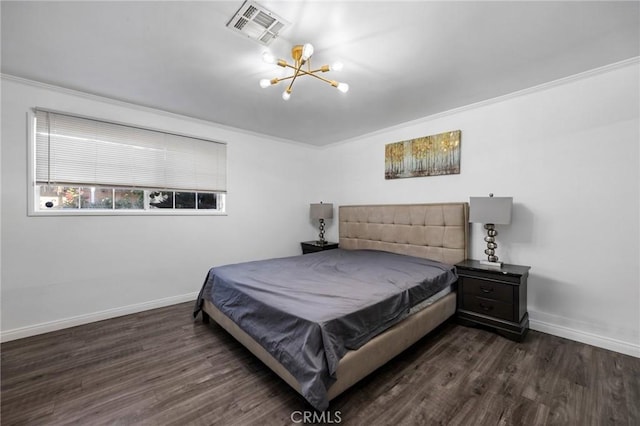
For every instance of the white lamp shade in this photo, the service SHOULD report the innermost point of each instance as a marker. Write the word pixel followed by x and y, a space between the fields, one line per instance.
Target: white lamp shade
pixel 495 210
pixel 321 211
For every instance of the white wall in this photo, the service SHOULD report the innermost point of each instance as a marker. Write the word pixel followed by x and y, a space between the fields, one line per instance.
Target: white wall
pixel 568 154
pixel 62 271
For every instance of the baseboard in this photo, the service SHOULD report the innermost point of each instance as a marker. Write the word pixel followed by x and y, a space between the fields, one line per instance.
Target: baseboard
pixel 535 323
pixel 32 330
pixel 627 348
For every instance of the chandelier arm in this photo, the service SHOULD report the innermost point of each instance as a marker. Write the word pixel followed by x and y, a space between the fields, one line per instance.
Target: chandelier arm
pixel 314 71
pixel 321 69
pixel 284 78
pixel 326 80
pixel 293 79
pixel 303 72
pixel 293 67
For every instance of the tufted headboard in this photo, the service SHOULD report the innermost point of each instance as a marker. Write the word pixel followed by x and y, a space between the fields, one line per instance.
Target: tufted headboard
pixel 433 231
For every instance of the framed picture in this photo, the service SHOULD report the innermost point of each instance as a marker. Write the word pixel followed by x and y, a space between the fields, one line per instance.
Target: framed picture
pixel 426 156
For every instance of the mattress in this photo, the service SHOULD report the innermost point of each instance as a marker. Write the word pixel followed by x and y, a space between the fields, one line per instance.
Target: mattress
pixel 308 311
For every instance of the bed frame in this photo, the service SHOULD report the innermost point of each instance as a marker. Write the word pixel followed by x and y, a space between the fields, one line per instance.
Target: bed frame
pixel 433 231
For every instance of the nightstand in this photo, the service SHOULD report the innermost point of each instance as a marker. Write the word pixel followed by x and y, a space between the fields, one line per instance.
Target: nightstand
pixel 494 297
pixel 314 246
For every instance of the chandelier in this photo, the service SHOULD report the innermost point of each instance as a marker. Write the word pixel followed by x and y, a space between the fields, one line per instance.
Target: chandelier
pixel 301 55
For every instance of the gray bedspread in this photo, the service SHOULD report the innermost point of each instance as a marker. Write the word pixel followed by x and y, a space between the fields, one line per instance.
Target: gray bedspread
pixel 308 311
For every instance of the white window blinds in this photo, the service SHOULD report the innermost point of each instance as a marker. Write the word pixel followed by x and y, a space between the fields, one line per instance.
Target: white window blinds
pixel 75 150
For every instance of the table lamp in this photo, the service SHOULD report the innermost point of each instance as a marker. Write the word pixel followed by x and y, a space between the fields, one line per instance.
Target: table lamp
pixel 491 211
pixel 321 212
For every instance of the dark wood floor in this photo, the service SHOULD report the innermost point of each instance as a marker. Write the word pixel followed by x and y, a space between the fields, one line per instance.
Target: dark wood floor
pixel 160 367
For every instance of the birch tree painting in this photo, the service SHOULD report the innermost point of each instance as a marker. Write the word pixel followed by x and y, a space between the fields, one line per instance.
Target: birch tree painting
pixel 427 156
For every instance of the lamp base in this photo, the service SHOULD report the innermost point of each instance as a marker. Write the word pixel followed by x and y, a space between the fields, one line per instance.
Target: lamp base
pixel 321 240
pixel 492 260
pixel 491 264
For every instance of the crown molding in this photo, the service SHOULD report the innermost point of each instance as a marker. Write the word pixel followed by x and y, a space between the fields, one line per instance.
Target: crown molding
pixel 530 90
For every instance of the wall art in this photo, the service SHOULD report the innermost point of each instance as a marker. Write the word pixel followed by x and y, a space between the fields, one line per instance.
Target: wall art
pixel 426 156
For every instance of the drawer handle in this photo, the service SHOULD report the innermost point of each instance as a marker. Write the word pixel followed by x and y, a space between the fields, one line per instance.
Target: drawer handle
pixel 486 290
pixel 485 307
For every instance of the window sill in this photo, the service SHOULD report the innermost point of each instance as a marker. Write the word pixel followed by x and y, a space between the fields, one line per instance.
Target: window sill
pixel 97 212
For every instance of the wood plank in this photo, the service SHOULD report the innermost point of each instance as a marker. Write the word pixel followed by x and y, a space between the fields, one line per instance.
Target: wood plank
pixel 160 367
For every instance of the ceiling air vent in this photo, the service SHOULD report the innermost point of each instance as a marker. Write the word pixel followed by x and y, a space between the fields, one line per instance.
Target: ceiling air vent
pixel 257 23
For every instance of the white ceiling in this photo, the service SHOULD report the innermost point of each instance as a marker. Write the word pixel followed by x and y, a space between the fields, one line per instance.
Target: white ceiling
pixel 403 60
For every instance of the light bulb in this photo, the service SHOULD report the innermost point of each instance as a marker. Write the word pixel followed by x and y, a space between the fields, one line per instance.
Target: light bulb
pixel 268 58
pixel 336 66
pixel 286 95
pixel 264 83
pixel 343 87
pixel 307 51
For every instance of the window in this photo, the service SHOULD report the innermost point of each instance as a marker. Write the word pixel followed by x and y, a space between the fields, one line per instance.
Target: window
pixel 87 166
pixel 68 198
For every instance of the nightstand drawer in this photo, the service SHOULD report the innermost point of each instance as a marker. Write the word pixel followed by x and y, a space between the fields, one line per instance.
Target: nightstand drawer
pixel 488 307
pixel 491 275
pixel 488 289
pixel 314 246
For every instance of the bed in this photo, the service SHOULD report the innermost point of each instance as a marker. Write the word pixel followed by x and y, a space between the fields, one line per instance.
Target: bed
pixel 379 244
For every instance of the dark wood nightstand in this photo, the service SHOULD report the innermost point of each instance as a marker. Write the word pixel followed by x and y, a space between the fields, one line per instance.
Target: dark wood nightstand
pixel 314 246
pixel 494 297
